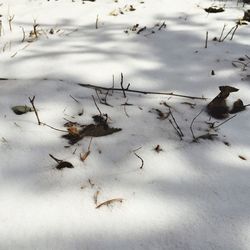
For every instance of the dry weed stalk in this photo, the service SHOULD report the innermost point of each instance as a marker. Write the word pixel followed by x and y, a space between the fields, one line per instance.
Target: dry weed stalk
pixel 10 19
pixel 84 156
pixel 96 21
pixel 206 40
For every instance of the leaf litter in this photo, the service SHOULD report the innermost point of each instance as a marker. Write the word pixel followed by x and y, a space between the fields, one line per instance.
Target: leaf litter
pixel 99 128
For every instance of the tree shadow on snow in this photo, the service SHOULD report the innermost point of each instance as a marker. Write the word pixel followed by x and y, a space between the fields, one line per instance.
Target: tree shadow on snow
pixel 210 194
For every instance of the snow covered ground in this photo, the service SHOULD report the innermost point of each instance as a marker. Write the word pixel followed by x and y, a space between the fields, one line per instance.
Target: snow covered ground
pixel 187 195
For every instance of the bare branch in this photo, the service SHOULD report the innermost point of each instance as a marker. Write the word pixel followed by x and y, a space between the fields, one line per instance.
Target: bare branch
pixel 124 94
pixel 178 129
pixel 33 105
pixel 140 91
pixel 108 202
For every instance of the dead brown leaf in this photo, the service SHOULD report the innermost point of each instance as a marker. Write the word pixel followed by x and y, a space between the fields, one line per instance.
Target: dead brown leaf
pixel 73 130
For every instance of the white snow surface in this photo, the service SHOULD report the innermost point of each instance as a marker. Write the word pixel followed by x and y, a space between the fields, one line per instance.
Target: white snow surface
pixel 187 196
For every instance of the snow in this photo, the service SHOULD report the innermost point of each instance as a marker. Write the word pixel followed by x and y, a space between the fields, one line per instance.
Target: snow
pixel 187 196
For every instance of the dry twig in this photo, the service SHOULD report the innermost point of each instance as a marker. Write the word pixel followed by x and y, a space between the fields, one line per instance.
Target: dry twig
pixel 191 125
pixel 23 34
pixel 141 29
pixel 33 105
pixel 108 202
pixel 96 21
pixel 140 91
pixel 224 122
pixel 222 32
pixel 163 25
pixel 122 88
pixel 229 32
pixel 125 111
pixel 23 48
pixel 142 161
pixel 103 100
pixel 38 119
pixel 175 125
pixel 84 156
pixel 236 27
pixel 206 40
pixel 74 99
pixel 55 159
pixel 60 130
pixel 10 19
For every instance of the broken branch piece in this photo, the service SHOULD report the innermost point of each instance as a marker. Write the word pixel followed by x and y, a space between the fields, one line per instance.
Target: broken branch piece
pixel 108 202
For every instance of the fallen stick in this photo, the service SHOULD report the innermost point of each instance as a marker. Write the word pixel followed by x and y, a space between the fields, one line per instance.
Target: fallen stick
pixel 108 202
pixel 91 86
pixel 142 161
pixel 33 105
pixel 224 121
